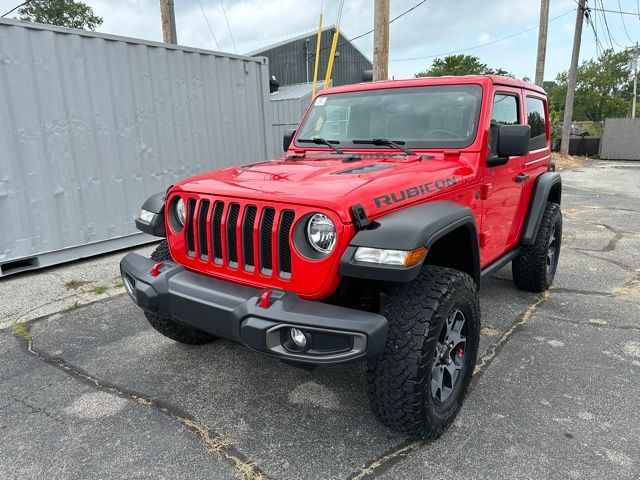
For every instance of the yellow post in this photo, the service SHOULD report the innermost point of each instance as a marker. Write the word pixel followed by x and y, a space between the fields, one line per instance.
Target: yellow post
pixel 332 55
pixel 315 68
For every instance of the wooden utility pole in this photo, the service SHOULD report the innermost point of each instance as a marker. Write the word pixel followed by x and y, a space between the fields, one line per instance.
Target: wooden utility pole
pixel 542 41
pixel 381 40
pixel 168 22
pixel 573 77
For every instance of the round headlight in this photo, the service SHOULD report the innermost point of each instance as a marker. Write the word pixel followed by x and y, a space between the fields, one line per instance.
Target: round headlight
pixel 180 212
pixel 321 233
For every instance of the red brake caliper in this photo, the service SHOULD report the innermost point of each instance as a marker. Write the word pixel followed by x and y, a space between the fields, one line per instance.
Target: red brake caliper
pixel 460 352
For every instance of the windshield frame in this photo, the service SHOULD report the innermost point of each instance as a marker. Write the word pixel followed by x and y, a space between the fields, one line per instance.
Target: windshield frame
pixel 440 144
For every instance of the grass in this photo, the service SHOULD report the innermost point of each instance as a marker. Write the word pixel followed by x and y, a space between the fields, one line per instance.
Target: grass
pixel 100 289
pixel 75 284
pixel 74 306
pixel 21 330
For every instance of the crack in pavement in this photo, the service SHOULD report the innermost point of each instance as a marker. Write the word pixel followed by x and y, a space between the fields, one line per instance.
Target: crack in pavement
pixel 583 292
pixel 10 321
pixel 387 460
pixel 215 444
pixel 609 247
pixel 483 363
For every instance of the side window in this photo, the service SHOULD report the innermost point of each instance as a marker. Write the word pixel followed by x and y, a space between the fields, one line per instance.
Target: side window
pixel 537 119
pixel 505 109
pixel 504 112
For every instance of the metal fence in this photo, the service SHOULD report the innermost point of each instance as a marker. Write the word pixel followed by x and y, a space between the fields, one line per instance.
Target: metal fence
pixel 621 139
pixel 92 124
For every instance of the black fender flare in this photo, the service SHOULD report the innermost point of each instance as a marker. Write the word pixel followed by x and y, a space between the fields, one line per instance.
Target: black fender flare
pixel 542 191
pixel 416 226
pixel 154 204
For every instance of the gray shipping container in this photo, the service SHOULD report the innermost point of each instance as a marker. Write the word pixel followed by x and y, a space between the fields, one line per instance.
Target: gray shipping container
pixel 93 124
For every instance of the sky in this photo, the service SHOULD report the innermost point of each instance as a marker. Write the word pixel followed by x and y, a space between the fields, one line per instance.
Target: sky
pixel 434 28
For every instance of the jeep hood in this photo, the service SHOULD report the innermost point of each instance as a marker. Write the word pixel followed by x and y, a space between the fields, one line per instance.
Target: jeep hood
pixel 375 182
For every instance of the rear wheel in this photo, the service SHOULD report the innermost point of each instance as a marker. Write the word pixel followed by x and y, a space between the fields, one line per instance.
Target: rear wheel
pixel 168 327
pixel 535 268
pixel 418 384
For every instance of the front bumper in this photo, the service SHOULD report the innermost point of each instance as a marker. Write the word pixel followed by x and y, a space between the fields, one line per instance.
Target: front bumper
pixel 225 309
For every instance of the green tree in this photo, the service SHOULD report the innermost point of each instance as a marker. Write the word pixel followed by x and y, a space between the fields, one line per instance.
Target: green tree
pixel 603 88
pixel 64 13
pixel 460 65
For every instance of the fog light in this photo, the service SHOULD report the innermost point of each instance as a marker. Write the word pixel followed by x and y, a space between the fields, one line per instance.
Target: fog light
pixel 298 337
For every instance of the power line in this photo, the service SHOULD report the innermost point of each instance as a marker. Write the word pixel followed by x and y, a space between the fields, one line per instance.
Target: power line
pixel 209 25
pixel 590 21
pixel 17 7
pixel 480 45
pixel 390 21
pixel 623 24
pixel 605 34
pixel 621 12
pixel 340 13
pixel 606 24
pixel 228 26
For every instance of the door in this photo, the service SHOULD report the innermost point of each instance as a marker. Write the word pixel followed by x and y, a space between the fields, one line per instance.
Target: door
pixel 502 184
pixel 537 161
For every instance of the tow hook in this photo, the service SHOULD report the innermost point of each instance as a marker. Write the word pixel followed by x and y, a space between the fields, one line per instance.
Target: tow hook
pixel 265 299
pixel 155 270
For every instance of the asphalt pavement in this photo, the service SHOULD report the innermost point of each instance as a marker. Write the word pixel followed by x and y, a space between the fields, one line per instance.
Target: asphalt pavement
pixel 94 392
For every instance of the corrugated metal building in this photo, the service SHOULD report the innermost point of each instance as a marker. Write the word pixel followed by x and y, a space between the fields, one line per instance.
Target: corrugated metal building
pixel 93 124
pixel 288 105
pixel 291 60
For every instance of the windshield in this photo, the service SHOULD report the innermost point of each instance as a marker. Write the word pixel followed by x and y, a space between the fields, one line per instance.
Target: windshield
pixel 442 116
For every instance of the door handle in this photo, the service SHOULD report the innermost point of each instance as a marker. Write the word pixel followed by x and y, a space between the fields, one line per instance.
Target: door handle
pixel 522 177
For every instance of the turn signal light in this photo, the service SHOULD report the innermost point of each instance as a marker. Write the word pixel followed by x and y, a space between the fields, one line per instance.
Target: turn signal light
pixel 415 256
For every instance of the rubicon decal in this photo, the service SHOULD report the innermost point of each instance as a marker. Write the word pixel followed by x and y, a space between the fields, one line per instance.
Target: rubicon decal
pixel 416 191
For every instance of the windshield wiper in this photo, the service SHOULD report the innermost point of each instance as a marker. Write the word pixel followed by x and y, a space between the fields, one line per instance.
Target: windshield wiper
pixel 321 141
pixel 389 143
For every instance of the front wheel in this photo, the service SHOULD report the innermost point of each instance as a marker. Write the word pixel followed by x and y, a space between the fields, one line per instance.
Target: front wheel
pixel 417 385
pixel 535 268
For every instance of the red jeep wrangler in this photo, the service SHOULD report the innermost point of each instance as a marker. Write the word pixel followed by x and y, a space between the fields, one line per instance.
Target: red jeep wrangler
pixel 367 240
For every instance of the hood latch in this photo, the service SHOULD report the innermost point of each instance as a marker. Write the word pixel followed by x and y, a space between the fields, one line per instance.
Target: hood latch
pixel 360 219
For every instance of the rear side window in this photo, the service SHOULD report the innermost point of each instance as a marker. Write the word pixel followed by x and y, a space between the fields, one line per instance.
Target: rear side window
pixel 537 120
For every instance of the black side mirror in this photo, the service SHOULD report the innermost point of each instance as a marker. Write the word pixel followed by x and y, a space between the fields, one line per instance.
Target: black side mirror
pixel 513 141
pixel 286 140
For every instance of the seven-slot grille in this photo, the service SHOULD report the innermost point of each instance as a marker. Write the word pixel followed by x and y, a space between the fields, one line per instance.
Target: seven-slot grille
pixel 240 235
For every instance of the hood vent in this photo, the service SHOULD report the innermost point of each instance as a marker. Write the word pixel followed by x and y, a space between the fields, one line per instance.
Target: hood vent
pixel 372 167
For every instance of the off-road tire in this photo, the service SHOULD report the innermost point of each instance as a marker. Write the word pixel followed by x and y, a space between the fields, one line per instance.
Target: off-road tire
pixel 400 379
pixel 167 327
pixel 531 269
